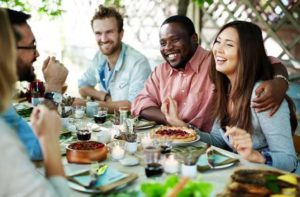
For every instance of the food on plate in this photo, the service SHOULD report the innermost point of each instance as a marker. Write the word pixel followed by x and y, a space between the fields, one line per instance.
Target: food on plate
pixel 86 152
pixel 260 182
pixel 90 145
pixel 175 134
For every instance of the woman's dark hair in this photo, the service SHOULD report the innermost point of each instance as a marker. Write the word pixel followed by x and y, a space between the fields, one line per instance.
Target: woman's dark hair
pixel 254 66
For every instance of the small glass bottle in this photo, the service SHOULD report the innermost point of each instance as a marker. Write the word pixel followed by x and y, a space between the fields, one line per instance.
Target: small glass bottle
pixel 35 97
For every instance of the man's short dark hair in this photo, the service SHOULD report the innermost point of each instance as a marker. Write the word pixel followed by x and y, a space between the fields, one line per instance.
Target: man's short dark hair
pixel 184 21
pixel 17 17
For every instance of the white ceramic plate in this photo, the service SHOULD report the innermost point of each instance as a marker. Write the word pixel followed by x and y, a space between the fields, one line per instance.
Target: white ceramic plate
pixel 129 161
pixel 218 164
pixel 186 143
pixel 145 125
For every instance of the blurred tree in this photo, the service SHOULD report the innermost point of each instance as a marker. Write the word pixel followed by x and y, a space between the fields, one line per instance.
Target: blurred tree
pixel 183 5
pixel 116 3
pixel 50 8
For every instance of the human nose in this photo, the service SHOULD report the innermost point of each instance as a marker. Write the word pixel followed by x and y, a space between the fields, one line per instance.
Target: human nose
pixel 37 54
pixel 219 48
pixel 103 38
pixel 168 46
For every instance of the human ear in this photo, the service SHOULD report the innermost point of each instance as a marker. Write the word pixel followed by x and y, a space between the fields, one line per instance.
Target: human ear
pixel 195 38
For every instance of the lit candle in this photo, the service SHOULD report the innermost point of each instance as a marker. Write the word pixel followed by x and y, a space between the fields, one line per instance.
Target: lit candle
pixel 171 164
pixel 146 141
pixel 118 152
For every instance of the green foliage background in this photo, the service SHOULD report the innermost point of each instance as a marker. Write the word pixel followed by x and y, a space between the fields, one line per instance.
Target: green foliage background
pixel 50 8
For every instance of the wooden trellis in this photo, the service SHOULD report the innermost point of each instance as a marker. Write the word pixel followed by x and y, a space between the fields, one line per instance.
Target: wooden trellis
pixel 280 20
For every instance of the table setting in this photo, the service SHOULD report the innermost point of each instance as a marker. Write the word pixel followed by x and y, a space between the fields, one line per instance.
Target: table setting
pixel 109 154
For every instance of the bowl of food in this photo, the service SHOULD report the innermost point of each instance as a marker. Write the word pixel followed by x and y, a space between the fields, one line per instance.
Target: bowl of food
pixel 84 152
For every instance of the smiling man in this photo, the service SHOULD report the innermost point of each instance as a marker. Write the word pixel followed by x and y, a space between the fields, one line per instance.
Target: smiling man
pixel 120 70
pixel 185 77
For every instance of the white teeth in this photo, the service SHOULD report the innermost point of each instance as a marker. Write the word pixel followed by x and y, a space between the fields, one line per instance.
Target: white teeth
pixel 172 56
pixel 220 59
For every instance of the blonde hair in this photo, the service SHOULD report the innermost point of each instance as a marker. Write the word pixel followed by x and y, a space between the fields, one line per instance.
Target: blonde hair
pixel 8 74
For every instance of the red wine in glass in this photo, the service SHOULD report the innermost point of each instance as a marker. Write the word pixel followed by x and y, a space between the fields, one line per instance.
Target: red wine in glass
pixel 153 169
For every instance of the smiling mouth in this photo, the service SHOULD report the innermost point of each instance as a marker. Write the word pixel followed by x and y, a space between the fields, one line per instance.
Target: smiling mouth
pixel 220 60
pixel 172 56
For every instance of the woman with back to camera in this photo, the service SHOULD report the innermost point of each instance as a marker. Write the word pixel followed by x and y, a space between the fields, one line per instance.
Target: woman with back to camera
pixel 18 174
pixel 239 64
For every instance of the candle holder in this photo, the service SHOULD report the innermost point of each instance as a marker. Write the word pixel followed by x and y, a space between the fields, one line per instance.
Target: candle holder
pixel 189 167
pixel 91 108
pixel 131 147
pixel 117 152
pixel 171 164
pixel 146 140
pixel 79 112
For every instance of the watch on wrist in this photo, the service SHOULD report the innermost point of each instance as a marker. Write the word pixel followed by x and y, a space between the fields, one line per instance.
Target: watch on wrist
pixel 54 96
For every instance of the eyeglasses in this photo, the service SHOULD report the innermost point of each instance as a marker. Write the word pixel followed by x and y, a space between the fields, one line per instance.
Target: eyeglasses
pixel 33 47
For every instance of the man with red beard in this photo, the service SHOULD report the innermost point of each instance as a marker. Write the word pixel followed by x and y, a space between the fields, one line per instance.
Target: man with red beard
pixel 185 78
pixel 119 69
pixel 54 73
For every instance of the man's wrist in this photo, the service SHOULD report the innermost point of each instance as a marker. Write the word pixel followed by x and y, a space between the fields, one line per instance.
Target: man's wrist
pixel 283 78
pixel 53 88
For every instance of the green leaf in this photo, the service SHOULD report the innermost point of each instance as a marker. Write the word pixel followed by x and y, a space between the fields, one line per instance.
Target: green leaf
pixel 273 186
pixel 196 188
pixel 272 183
pixel 153 189
pixel 171 181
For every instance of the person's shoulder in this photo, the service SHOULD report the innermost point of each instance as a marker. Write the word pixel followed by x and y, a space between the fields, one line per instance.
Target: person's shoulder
pixel 9 112
pixel 7 133
pixel 162 69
